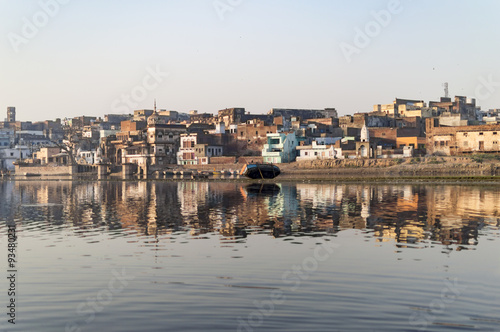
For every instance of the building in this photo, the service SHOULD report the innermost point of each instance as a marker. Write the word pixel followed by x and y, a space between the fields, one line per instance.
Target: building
pixel 399 107
pixel 163 141
pixel 365 148
pixel 451 141
pixel 11 114
pixel 254 130
pixel 142 115
pixel 304 114
pixel 197 149
pixel 280 148
pixel 8 156
pixel 7 137
pixel 461 105
pixel 320 149
pixel 48 155
pixel 231 116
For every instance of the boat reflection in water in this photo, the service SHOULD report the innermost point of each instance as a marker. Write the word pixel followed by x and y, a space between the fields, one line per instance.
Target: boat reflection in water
pixel 264 189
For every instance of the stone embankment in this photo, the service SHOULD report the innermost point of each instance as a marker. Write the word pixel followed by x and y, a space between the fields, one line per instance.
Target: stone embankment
pixel 420 167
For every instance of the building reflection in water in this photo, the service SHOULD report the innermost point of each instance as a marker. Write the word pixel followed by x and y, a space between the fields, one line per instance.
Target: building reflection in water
pixel 409 215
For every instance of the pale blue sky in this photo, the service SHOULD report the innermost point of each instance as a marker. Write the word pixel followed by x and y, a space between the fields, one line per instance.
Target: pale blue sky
pixel 257 54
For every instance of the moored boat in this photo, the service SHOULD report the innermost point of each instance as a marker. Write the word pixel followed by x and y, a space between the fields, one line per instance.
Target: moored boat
pixel 260 171
pixel 32 174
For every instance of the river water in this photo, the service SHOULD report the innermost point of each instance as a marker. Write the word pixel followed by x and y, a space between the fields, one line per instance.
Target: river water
pixel 230 256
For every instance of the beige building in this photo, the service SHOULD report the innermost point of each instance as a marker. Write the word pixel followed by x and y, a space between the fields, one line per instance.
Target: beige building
pixel 50 155
pixel 463 139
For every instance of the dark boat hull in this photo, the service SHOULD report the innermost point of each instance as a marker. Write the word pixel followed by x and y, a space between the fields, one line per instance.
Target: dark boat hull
pixel 260 171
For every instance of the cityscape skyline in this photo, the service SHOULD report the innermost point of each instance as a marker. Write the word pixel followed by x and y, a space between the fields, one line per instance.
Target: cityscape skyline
pixel 68 58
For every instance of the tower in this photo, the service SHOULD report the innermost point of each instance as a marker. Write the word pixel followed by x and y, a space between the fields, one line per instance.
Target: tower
pixel 365 134
pixel 11 114
pixel 446 91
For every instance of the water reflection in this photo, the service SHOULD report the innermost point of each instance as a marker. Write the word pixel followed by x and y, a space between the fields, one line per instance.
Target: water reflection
pixel 411 216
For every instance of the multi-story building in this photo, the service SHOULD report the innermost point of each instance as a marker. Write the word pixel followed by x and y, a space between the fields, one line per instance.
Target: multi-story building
pixel 197 149
pixel 465 107
pixel 280 148
pixel 163 141
pixel 8 156
pixel 11 114
pixel 254 130
pixel 460 140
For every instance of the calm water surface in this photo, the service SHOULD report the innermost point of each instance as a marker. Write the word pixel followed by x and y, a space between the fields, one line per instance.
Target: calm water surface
pixel 222 256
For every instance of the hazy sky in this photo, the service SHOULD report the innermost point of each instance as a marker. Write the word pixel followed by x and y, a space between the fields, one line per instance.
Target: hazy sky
pixel 65 58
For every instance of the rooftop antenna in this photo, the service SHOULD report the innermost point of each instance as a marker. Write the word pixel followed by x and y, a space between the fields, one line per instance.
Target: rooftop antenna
pixel 446 91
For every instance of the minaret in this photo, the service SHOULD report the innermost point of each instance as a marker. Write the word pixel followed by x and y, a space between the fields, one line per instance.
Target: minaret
pixel 155 105
pixel 365 134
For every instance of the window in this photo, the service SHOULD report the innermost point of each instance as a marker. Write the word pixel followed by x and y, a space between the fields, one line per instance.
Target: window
pixel 465 134
pixel 480 133
pixel 441 143
pixel 494 133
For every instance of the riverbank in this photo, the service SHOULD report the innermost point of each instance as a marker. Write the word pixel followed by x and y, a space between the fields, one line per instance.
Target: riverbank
pixel 481 169
pixel 409 167
pixel 482 165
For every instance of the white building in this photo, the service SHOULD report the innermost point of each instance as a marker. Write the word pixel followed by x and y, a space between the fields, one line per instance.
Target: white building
pixel 318 151
pixel 9 156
